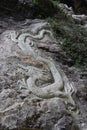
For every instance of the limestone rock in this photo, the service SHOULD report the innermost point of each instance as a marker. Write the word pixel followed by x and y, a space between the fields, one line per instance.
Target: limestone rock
pixel 21 107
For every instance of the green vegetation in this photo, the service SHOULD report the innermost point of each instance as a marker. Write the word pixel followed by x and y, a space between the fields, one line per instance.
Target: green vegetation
pixel 76 51
pixel 44 8
pixel 72 35
pixel 73 38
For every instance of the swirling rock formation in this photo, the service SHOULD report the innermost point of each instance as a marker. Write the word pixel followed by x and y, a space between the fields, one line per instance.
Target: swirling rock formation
pixel 54 90
pixel 35 92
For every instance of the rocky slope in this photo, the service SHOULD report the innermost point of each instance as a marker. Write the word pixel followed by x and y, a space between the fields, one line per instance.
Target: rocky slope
pixel 40 86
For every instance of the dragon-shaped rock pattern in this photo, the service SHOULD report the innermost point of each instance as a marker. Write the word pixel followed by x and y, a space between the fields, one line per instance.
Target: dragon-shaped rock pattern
pixel 45 80
pixel 34 90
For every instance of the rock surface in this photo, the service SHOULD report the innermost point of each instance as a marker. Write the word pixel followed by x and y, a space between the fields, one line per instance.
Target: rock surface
pixel 20 105
pixel 38 88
